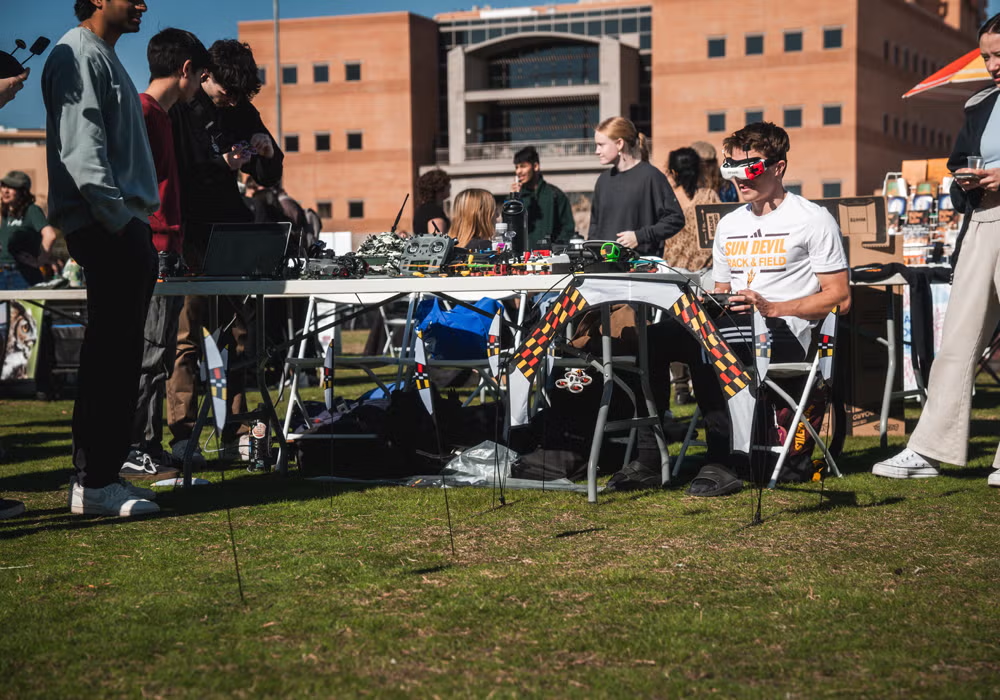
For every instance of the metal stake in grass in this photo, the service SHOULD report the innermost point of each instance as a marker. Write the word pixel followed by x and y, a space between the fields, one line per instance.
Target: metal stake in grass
pixel 232 539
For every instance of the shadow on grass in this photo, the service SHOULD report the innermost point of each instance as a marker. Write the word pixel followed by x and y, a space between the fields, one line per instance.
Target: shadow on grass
pixel 574 533
pixel 241 492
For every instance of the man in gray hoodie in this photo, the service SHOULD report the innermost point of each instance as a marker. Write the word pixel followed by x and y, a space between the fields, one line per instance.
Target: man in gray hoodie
pixel 102 189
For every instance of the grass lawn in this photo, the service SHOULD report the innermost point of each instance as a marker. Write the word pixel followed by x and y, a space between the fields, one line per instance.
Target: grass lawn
pixel 871 588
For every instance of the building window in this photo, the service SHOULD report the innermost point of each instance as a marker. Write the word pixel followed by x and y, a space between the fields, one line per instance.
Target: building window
pixel 895 127
pixel 833 38
pixel 755 44
pixel 832 115
pixel 885 123
pixel 321 73
pixel 352 70
pixel 630 25
pixel 289 75
pixel 752 116
pixel 324 209
pixel 885 51
pixel 353 140
pixel 793 117
pixel 716 121
pixel 262 75
pixel 595 28
pixel 322 142
pixel 906 131
pixel 925 67
pixel 793 41
pixel 794 187
pixel 906 59
pixel 291 143
pixel 717 47
pixel 831 189
pixel 895 55
pixel 356 209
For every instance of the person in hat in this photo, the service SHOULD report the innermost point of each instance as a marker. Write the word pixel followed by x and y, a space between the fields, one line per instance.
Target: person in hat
pixel 25 235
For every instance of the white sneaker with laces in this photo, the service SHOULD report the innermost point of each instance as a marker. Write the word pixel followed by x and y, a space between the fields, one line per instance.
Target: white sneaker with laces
pixel 113 499
pixel 907 465
pixel 994 479
pixel 137 491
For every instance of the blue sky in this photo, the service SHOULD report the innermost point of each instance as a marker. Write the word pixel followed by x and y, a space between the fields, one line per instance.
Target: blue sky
pixel 209 19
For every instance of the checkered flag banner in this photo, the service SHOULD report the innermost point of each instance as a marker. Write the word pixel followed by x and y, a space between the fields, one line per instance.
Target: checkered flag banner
pixel 493 345
pixel 216 379
pixel 733 378
pixel 328 363
pixel 761 346
pixel 421 380
pixel 827 338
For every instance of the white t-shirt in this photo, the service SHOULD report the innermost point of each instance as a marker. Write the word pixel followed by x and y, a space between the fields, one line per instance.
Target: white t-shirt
pixel 778 255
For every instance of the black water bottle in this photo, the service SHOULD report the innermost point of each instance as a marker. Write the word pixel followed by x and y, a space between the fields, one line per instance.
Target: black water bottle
pixel 515 215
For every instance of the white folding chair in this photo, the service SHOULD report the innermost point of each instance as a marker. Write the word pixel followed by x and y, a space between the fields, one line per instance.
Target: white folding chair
pixel 819 370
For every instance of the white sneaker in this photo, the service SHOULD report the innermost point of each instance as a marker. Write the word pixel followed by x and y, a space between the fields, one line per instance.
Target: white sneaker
pixel 907 465
pixel 137 491
pixel 994 478
pixel 113 499
pixel 197 458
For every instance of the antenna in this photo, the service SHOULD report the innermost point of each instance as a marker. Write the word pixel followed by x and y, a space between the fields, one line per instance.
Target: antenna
pixel 400 214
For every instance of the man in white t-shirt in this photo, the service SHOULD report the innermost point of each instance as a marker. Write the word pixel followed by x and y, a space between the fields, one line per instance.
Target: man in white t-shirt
pixel 779 253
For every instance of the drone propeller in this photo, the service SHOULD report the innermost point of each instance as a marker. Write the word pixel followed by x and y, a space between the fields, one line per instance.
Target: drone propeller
pixel 10 66
pixel 19 43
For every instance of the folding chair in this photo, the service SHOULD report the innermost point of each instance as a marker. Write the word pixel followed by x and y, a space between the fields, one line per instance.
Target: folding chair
pixel 820 369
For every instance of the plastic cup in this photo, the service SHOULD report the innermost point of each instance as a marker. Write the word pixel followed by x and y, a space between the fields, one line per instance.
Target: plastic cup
pixel 975 162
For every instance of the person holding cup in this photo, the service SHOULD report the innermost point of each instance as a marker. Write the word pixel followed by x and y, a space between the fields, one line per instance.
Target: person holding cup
pixel 942 434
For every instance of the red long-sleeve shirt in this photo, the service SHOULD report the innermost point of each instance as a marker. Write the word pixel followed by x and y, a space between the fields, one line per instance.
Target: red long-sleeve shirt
pixel 166 222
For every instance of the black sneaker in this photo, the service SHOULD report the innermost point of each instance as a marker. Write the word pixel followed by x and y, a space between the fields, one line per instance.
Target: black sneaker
pixel 634 477
pixel 10 508
pixel 140 465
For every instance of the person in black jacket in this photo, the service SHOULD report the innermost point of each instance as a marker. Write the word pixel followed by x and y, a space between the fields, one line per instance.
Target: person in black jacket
pixel 633 201
pixel 942 434
pixel 217 135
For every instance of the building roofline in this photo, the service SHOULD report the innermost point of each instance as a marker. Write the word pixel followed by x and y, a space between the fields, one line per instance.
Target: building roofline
pixel 540 10
pixel 303 20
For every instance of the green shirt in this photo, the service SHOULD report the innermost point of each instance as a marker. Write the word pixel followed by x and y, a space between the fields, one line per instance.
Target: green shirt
pixel 549 213
pixel 22 235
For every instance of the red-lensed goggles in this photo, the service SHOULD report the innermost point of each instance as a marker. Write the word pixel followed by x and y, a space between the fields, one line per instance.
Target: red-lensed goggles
pixel 746 169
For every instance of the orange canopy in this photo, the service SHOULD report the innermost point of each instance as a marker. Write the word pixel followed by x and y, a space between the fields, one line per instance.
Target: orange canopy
pixel 970 68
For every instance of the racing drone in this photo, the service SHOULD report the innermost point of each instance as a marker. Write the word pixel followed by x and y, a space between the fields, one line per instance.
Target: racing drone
pixel 10 66
pixel 574 381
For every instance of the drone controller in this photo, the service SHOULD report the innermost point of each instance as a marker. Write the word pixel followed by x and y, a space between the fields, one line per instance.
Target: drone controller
pixel 426 254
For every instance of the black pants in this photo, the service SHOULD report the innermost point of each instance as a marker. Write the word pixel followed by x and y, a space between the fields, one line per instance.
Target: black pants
pixel 670 341
pixel 121 271
pixel 159 351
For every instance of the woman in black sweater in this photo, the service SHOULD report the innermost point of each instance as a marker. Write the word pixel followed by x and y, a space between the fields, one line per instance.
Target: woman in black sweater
pixel 633 202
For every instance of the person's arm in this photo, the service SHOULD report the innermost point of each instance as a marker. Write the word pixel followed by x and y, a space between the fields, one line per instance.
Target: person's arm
pixel 669 216
pixel 267 167
pixel 76 89
pixel 834 291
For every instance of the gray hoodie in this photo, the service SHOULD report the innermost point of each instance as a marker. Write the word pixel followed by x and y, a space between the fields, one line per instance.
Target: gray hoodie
pixel 100 165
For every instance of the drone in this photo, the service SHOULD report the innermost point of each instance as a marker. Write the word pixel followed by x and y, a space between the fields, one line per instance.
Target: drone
pixel 10 66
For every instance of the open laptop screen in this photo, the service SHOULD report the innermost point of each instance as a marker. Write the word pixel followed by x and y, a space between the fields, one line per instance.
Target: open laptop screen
pixel 247 250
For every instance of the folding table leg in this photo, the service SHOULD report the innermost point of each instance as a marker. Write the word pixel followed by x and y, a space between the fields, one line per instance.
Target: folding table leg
pixel 602 412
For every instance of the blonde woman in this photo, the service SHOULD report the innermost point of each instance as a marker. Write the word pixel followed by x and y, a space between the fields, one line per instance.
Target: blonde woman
pixel 633 202
pixel 473 218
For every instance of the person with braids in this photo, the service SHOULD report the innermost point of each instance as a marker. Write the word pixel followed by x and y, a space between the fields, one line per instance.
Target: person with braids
pixel 216 135
pixel 25 235
pixel 433 187
pixel 684 173
pixel 942 434
pixel 475 215
pixel 633 202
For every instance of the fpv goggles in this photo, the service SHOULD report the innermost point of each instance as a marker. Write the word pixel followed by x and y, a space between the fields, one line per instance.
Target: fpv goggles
pixel 746 169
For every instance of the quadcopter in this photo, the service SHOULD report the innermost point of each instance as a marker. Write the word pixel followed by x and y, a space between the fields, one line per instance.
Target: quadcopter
pixel 574 381
pixel 10 66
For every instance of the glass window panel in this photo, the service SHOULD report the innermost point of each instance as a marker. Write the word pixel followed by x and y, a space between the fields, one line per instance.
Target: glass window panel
pixel 352 72
pixel 755 44
pixel 793 117
pixel 833 38
pixel 717 122
pixel 793 41
pixel 321 73
pixel 753 116
pixel 831 189
pixel 717 47
pixel 545 66
pixel 322 142
pixel 289 75
pixel 354 141
pixel 645 24
pixel 630 25
pixel 356 209
pixel 291 143
pixel 832 115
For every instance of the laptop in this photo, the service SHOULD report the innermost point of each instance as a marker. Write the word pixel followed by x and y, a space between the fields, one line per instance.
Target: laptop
pixel 247 251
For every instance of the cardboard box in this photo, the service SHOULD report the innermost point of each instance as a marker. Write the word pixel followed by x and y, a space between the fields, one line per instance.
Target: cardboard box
pixel 937 169
pixel 914 171
pixel 861 361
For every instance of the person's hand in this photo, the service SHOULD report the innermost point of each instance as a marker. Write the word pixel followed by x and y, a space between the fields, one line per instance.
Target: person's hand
pixel 744 301
pixel 236 158
pixel 516 186
pixel 628 239
pixel 989 180
pixel 263 145
pixel 9 87
pixel 968 184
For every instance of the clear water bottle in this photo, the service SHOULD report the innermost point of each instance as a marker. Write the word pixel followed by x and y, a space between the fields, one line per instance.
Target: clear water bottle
pixel 500 237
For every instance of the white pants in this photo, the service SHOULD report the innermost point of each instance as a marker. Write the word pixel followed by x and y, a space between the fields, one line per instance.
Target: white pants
pixel 972 316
